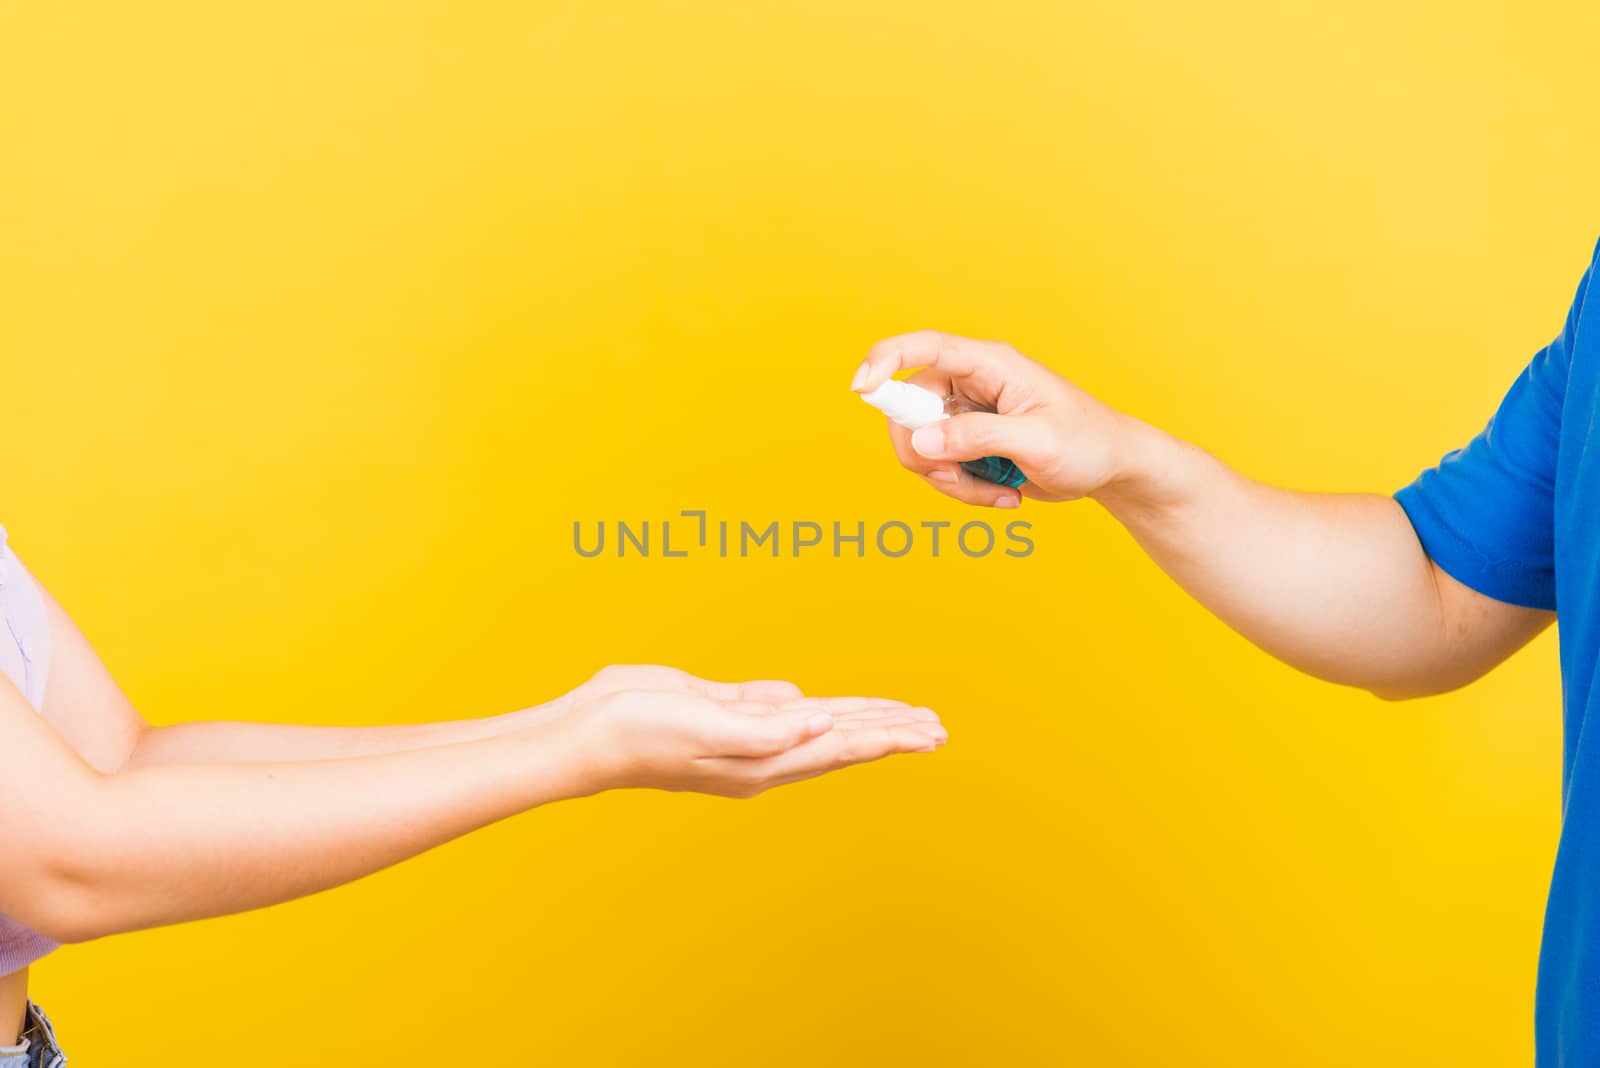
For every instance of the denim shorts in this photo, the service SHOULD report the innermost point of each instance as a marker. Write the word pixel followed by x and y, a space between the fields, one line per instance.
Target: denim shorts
pixel 37 1047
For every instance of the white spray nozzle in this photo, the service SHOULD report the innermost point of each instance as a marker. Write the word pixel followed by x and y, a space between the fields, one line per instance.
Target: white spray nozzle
pixel 910 406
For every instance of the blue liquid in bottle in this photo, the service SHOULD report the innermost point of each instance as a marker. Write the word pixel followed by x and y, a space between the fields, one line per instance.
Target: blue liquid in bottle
pixel 995 469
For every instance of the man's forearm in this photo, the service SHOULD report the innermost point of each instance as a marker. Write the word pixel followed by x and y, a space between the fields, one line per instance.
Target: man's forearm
pixel 1336 585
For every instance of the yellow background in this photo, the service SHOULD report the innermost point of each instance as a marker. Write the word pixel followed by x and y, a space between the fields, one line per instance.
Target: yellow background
pixel 321 324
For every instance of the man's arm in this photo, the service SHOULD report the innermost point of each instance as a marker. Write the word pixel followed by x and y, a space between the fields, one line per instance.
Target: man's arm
pixel 1336 585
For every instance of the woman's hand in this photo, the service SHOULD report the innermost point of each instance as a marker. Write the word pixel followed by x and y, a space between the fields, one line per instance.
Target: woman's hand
pixel 732 740
pixel 165 843
pixel 1069 444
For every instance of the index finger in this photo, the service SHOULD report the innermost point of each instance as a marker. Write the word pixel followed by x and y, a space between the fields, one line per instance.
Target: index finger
pixel 958 357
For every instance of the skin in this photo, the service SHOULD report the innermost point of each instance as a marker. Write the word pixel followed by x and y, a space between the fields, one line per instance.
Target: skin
pixel 116 825
pixel 1336 585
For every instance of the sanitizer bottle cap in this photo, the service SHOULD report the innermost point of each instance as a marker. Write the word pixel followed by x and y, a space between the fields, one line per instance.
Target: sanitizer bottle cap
pixel 910 406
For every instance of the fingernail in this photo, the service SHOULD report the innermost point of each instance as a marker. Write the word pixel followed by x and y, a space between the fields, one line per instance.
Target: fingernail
pixel 861 378
pixel 929 441
pixel 939 734
pixel 821 723
pixel 1008 502
pixel 941 474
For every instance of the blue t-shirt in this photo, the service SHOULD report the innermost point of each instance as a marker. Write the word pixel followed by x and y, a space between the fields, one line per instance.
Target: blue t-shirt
pixel 1516 516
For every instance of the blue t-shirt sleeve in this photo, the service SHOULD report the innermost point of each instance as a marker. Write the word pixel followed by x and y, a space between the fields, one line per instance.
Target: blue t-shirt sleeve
pixel 1486 513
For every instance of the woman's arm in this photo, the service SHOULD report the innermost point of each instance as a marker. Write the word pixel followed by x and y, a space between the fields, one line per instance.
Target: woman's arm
pixel 87 707
pixel 1336 585
pixel 227 741
pixel 243 742
pixel 89 854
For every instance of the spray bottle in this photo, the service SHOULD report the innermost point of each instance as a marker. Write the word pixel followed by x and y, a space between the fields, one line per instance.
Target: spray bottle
pixel 913 407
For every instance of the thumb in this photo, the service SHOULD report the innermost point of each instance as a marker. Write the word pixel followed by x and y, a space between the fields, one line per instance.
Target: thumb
pixel 753 729
pixel 1022 438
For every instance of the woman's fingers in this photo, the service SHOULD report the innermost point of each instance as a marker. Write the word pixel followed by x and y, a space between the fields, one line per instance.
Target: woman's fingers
pixel 752 729
pixel 840 705
pixel 656 677
pixel 756 729
pixel 918 716
pixel 843 748
pixel 771 691
pixel 844 745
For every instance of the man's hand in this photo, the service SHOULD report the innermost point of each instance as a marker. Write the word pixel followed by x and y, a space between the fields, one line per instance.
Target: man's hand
pixel 1337 585
pixel 1068 443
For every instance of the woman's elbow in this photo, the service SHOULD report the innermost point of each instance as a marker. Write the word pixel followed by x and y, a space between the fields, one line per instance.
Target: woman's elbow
pixel 71 924
pixel 61 898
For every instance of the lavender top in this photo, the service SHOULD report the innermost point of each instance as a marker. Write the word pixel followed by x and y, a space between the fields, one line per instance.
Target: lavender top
pixel 25 660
